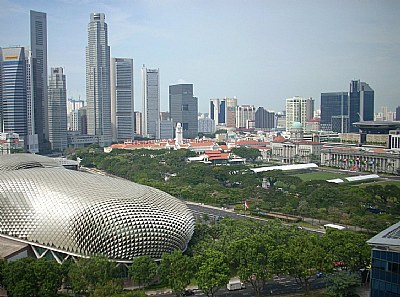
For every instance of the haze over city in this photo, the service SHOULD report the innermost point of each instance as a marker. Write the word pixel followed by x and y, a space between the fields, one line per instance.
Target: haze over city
pixel 262 52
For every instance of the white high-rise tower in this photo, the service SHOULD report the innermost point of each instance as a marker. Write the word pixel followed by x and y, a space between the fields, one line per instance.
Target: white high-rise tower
pixel 98 94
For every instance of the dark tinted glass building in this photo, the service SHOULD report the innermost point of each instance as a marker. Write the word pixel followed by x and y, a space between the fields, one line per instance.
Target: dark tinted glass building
pixel 398 113
pixel 333 105
pixel 183 108
pixel 264 119
pixel 361 103
pixel 385 274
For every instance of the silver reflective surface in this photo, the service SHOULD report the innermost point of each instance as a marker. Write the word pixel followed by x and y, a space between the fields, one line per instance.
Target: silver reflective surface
pixel 88 214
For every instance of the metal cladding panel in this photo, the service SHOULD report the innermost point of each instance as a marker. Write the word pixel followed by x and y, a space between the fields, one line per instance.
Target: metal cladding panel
pixel 88 214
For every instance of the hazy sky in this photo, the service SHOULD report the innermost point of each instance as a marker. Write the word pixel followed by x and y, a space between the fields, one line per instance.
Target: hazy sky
pixel 260 51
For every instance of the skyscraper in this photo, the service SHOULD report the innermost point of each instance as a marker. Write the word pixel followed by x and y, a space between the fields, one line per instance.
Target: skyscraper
pixel 98 95
pixel 218 111
pixel 122 99
pixel 183 108
pixel 151 102
pixel 138 123
pixel 334 109
pixel 13 97
pixel 361 103
pixel 264 119
pixel 244 113
pixel 57 109
pixel 38 77
pixel 230 115
pixel 300 110
pixel 398 113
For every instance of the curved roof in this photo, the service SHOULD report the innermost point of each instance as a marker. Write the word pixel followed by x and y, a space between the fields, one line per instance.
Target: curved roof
pixel 87 214
pixel 25 161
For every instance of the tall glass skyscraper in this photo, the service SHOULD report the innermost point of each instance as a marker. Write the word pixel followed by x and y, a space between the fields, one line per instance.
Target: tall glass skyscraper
pixel 57 109
pixel 334 105
pixel 183 108
pixel 361 103
pixel 38 79
pixel 13 97
pixel 151 102
pixel 122 102
pixel 218 111
pixel 98 94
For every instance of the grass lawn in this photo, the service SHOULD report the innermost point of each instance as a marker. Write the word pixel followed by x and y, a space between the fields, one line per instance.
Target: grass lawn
pixel 319 175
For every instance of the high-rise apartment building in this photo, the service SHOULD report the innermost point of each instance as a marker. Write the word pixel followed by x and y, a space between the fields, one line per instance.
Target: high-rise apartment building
pixel 98 94
pixel 13 91
pixel 244 114
pixel 138 123
pixel 218 111
pixel 230 114
pixel 334 112
pixel 122 99
pixel 300 110
pixel 151 102
pixel 361 103
pixel 264 119
pixel 38 80
pixel 183 108
pixel 57 109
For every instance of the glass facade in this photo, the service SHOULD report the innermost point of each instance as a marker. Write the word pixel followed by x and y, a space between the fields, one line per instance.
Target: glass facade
pixel 183 108
pixel 385 277
pixel 361 103
pixel 333 105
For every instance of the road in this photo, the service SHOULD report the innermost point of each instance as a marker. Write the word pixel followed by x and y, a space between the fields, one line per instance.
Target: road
pixel 277 286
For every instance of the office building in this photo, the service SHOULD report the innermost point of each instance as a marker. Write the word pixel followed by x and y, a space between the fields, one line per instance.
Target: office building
pixel 38 78
pixel 361 103
pixel 13 96
pixel 264 119
pixel 230 114
pixel 183 108
pixel 300 110
pixel 151 103
pixel 166 129
pixel 218 111
pixel 122 99
pixel 206 124
pixel 138 123
pixel 385 276
pixel 334 112
pixel 118 219
pixel 98 94
pixel 244 114
pixel 57 109
pixel 398 113
pixel 73 104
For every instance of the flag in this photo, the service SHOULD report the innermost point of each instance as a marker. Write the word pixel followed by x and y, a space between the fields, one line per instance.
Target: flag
pixel 246 206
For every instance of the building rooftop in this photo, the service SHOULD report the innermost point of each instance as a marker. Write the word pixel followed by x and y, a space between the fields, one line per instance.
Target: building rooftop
pixel 387 239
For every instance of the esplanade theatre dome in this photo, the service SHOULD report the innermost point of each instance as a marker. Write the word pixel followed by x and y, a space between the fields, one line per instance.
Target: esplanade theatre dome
pixel 84 214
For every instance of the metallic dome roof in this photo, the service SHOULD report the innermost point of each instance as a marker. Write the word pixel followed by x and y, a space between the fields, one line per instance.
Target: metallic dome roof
pixel 87 214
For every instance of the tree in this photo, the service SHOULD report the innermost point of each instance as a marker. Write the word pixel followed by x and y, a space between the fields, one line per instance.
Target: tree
pixel 213 271
pixel 253 260
pixel 343 284
pixel 86 274
pixel 247 153
pixel 31 277
pixel 176 270
pixel 303 257
pixel 110 288
pixel 348 247
pixel 143 270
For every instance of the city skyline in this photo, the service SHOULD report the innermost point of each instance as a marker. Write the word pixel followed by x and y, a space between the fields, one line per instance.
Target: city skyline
pixel 261 53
